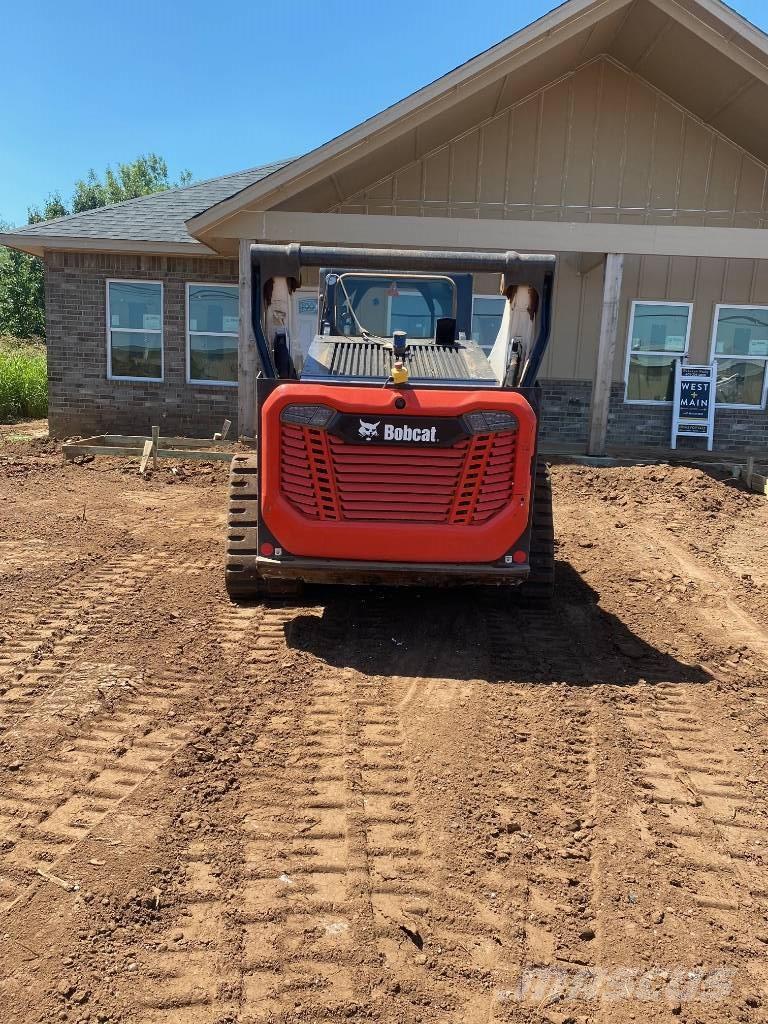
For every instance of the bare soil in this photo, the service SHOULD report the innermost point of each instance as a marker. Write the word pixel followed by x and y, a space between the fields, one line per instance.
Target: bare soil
pixel 379 806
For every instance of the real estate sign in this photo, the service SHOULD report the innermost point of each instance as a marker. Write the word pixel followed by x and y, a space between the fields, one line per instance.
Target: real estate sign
pixel 693 404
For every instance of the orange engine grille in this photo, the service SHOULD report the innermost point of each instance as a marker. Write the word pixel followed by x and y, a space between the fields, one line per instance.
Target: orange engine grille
pixel 326 479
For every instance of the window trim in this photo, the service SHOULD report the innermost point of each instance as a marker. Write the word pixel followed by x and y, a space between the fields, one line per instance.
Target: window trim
pixel 716 357
pixel 135 330
pixel 676 355
pixel 222 334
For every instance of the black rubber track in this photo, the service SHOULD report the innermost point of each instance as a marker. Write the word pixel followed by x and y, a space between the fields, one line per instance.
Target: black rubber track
pixel 540 586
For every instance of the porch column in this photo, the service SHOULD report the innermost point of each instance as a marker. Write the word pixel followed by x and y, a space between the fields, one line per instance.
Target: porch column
pixel 601 388
pixel 247 358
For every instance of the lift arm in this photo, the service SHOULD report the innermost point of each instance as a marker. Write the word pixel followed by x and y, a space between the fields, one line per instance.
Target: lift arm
pixel 269 262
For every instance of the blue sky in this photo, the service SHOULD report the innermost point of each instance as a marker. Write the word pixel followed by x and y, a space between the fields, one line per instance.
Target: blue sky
pixel 217 87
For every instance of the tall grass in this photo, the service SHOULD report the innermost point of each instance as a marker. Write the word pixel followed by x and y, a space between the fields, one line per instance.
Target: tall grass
pixel 23 380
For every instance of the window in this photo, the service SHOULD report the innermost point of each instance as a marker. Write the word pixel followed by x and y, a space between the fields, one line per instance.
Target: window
pixel 740 346
pixel 383 305
pixel 417 312
pixel 658 335
pixel 487 311
pixel 134 330
pixel 212 333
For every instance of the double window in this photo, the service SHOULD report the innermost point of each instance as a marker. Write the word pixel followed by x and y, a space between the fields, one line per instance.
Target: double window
pixel 740 346
pixel 135 330
pixel 659 333
pixel 658 336
pixel 212 331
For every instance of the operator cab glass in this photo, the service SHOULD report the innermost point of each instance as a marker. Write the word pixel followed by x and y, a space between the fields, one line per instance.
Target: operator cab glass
pixel 379 306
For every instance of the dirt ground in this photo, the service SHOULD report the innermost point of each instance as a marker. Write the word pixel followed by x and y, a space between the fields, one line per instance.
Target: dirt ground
pixel 375 806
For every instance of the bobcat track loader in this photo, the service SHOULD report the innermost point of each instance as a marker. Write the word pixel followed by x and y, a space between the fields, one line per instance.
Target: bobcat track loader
pixel 396 450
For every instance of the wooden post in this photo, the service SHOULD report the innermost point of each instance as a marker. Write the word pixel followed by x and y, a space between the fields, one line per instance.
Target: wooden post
pixel 606 350
pixel 247 356
pixel 145 457
pixel 155 445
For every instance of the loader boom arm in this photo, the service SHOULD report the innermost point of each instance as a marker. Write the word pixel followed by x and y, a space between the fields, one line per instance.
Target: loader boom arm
pixel 270 263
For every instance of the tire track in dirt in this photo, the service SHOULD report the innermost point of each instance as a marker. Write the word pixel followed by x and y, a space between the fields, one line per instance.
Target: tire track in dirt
pixel 45 812
pixel 304 893
pixel 41 646
pixel 545 829
pixel 255 945
pixel 694 773
pixel 431 937
pixel 719 613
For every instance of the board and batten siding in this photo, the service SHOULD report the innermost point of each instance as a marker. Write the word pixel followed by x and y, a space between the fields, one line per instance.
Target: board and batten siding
pixel 599 144
pixel 578 301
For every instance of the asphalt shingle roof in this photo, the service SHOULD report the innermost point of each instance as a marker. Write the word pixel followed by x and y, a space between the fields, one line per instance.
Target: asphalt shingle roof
pixel 156 218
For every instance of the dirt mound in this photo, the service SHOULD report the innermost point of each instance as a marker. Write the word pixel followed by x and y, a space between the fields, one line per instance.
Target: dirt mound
pixel 682 491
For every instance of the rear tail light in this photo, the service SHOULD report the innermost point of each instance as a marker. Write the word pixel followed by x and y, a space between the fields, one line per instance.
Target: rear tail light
pixel 307 415
pixel 489 421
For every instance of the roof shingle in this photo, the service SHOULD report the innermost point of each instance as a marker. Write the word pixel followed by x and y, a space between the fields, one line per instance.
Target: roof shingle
pixel 158 217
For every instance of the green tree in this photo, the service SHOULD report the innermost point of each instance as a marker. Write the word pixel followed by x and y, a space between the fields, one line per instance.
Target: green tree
pixel 141 177
pixel 22 293
pixel 52 207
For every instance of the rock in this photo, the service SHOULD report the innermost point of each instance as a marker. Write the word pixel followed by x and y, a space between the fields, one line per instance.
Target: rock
pixel 65 988
pixel 587 935
pixel 80 996
pixel 151 900
pixel 658 918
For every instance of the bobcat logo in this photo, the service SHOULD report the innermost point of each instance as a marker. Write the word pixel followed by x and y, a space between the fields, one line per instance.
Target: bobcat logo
pixel 369 430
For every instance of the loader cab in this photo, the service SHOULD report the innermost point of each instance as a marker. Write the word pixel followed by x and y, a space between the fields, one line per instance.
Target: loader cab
pixel 368 321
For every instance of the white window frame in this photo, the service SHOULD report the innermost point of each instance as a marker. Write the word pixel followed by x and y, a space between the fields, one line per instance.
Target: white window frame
pixel 675 355
pixel 713 354
pixel 222 334
pixel 136 330
pixel 484 295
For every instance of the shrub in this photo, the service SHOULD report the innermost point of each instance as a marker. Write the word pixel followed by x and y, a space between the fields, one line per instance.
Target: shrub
pixel 23 380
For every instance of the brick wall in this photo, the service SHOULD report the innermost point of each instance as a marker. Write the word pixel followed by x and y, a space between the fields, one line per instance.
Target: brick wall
pixel 565 419
pixel 81 399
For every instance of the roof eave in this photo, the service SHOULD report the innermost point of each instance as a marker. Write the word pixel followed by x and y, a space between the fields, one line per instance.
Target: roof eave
pixel 520 47
pixel 38 245
pixel 291 178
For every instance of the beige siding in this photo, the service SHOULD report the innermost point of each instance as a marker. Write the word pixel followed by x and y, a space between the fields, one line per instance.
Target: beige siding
pixel 599 144
pixel 578 300
pixel 602 145
pixel 704 282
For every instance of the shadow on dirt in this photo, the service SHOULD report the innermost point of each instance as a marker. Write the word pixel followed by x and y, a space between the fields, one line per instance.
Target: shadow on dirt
pixel 490 634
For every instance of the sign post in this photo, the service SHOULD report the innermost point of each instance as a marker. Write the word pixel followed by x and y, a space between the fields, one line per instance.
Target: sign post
pixel 693 405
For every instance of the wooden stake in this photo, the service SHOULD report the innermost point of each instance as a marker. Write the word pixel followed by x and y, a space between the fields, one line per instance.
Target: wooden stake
pixel 145 457
pixel 155 445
